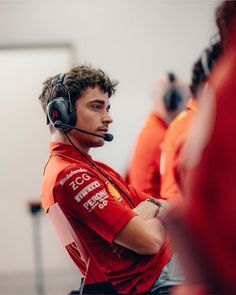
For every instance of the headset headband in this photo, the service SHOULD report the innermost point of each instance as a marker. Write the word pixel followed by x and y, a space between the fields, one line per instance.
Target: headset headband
pixel 58 79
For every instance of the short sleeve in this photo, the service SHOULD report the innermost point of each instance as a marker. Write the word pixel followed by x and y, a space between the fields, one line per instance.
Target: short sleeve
pixel 92 201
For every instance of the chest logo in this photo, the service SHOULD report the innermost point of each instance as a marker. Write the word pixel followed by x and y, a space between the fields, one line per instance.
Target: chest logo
pixel 114 192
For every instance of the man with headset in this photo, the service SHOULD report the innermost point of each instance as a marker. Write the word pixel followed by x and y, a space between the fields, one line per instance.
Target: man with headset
pixel 169 95
pixel 119 225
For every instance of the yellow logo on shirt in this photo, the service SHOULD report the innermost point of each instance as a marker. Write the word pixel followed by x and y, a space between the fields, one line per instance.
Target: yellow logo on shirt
pixel 113 191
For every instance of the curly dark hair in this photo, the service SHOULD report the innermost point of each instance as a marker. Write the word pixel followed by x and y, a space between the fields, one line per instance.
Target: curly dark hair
pixel 225 16
pixel 77 81
pixel 201 69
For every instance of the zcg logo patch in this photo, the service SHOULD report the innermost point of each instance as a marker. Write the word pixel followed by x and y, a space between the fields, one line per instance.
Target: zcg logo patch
pixel 79 180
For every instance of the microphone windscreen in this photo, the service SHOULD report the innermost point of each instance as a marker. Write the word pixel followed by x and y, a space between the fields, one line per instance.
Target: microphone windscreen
pixel 108 137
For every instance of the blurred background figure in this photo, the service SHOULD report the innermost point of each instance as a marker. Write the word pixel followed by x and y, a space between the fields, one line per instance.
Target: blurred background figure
pixel 178 129
pixel 169 94
pixel 206 225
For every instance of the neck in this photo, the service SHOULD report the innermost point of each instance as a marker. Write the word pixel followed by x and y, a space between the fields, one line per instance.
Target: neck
pixel 58 136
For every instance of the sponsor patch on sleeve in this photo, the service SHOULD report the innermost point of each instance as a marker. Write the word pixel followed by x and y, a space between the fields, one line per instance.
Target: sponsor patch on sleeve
pixel 76 183
pixel 97 200
pixel 86 190
pixel 70 174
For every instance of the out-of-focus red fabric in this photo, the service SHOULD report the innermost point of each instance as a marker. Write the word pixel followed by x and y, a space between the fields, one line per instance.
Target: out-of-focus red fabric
pixel 172 146
pixel 144 170
pixel 210 211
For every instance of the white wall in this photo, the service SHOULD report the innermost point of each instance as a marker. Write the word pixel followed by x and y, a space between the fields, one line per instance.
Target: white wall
pixel 132 40
pixel 23 150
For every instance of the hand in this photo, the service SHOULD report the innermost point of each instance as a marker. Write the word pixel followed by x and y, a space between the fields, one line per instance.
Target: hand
pixel 146 210
pixel 165 207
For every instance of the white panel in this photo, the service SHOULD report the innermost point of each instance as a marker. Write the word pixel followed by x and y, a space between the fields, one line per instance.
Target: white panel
pixel 24 144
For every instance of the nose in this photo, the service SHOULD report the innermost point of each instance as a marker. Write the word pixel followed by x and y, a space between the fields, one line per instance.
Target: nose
pixel 107 118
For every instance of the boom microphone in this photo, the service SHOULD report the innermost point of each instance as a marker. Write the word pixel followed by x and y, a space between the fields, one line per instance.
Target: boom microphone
pixel 59 124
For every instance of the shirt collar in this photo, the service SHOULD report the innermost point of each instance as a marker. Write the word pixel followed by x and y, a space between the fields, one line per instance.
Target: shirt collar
pixel 66 149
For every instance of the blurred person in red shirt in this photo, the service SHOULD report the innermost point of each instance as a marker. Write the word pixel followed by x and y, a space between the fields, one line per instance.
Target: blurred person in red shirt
pixel 178 129
pixel 170 94
pixel 206 223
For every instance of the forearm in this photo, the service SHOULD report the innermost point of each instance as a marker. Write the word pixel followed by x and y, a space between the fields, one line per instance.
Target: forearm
pixel 156 227
pixel 142 236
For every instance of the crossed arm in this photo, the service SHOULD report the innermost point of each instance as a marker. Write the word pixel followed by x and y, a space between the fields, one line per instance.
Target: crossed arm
pixel 144 233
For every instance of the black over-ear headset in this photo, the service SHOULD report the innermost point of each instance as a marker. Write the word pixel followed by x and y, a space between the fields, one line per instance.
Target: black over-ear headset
pixel 172 98
pixel 60 108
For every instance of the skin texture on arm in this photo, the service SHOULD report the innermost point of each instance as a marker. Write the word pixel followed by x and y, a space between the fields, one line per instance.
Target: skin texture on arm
pixel 147 210
pixel 142 236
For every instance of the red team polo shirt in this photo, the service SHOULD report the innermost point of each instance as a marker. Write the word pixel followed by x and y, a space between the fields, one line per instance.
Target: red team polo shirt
pixel 173 143
pixel 144 171
pixel 210 214
pixel 99 211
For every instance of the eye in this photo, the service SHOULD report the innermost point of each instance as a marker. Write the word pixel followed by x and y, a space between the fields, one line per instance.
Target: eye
pixel 97 107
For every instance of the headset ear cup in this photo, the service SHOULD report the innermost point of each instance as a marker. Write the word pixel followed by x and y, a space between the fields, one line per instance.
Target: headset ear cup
pixel 172 99
pixel 59 110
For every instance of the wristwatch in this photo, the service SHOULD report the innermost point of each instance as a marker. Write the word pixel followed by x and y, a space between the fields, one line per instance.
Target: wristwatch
pixel 155 202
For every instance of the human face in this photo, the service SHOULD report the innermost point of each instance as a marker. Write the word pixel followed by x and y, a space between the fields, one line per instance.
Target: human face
pixel 92 111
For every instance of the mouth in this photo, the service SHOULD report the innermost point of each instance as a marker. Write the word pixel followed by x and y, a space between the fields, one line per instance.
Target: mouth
pixel 103 130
